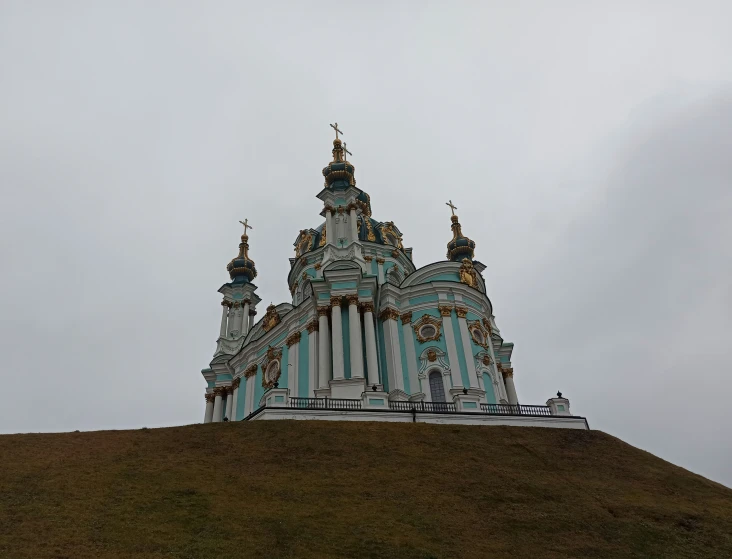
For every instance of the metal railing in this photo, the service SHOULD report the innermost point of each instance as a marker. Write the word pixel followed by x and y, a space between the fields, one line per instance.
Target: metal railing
pixel 508 409
pixel 423 406
pixel 420 406
pixel 325 403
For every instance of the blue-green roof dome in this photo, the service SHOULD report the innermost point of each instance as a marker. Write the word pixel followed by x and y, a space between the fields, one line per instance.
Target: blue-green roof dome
pixel 241 269
pixel 339 172
pixel 460 246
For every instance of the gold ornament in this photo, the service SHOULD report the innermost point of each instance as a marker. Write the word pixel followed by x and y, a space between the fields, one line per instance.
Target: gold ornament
pixel 335 301
pixel 462 312
pixel 468 275
pixel 293 339
pixel 323 311
pixel 389 314
pixel 431 355
pixel 271 318
pixel 370 236
pixel 352 299
pixel 445 310
pixel 250 371
pixel 427 320
pixel 406 318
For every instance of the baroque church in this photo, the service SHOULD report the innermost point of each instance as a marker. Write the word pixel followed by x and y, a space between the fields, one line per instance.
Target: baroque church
pixel 367 334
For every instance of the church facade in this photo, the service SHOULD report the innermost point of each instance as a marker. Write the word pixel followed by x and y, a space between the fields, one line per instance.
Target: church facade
pixel 367 334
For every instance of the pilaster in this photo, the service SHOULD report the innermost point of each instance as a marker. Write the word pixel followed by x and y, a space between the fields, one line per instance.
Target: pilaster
pixel 452 355
pixel 408 336
pixel 389 316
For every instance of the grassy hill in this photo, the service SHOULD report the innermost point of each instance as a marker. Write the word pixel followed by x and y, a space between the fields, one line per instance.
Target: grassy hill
pixel 332 490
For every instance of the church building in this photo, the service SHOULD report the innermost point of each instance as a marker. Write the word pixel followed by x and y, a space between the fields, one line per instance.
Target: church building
pixel 367 336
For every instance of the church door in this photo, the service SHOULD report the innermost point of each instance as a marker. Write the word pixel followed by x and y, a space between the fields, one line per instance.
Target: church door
pixel 436 387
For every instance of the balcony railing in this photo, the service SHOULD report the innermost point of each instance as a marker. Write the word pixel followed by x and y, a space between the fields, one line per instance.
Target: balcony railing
pixel 346 404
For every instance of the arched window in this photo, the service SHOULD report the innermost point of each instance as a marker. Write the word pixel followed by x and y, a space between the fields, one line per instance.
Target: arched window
pixel 437 388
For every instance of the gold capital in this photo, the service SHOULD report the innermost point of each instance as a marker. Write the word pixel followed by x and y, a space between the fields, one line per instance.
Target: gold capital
pixel 445 310
pixel 335 301
pixel 406 318
pixel 352 299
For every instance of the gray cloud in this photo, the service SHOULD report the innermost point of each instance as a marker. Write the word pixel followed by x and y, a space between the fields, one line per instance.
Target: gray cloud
pixel 587 151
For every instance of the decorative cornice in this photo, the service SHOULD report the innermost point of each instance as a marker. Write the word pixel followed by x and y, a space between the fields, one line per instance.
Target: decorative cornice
pixel 323 311
pixel 389 314
pixel 312 326
pixel 335 301
pixel 293 339
pixel 352 299
pixel 406 318
pixel 445 310
pixel 367 307
pixel 462 312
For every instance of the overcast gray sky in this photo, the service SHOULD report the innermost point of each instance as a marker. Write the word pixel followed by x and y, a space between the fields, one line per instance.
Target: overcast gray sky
pixel 586 144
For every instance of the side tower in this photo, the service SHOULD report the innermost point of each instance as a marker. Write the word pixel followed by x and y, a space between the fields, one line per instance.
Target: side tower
pixel 238 308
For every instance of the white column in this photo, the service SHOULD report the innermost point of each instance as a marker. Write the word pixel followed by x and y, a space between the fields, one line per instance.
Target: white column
pixel 411 352
pixel 234 399
pixel 323 348
pixel 252 314
pixel 224 317
pixel 249 402
pixel 313 369
pixel 380 262
pixel 337 337
pixel 392 349
pixel 208 416
pixel 330 232
pixel 467 347
pixel 217 412
pixel 354 226
pixel 510 387
pixel 372 363
pixel 499 376
pixel 245 319
pixel 354 332
pixel 232 320
pixel 452 355
pixel 293 352
pixel 229 402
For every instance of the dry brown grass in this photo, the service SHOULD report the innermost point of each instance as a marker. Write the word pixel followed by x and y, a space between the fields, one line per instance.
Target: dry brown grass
pixel 332 490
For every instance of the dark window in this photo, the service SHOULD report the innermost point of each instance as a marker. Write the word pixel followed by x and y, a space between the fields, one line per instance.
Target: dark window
pixel 436 387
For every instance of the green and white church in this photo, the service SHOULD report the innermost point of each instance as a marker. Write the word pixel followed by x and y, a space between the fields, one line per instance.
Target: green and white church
pixel 367 336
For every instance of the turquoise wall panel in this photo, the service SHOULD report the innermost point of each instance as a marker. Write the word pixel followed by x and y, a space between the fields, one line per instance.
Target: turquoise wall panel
pixel 303 370
pixel 374 268
pixel 424 299
pixel 211 383
pixel 311 272
pixel 471 303
pixel 382 355
pixel 278 340
pixel 346 344
pixel 224 376
pixel 241 400
pixel 324 296
pixel 387 267
pixel 284 373
pixel 344 285
pixel 490 395
pixel 460 350
pixel 364 293
pixel 405 369
pixel 258 388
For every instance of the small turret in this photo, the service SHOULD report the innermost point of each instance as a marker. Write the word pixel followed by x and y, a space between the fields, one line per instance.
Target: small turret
pixel 460 247
pixel 241 269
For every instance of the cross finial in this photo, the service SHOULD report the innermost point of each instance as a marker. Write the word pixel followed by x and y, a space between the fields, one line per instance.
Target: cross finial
pixel 452 206
pixel 337 131
pixel 345 149
pixel 246 225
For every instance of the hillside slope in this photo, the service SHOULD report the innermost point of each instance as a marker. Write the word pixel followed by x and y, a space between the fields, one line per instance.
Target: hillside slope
pixel 322 489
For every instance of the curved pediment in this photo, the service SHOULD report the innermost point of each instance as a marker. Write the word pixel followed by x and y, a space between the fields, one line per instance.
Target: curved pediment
pixel 443 271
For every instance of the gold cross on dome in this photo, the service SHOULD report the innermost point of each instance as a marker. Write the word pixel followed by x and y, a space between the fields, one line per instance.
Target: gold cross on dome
pixel 346 150
pixel 246 225
pixel 335 127
pixel 452 206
